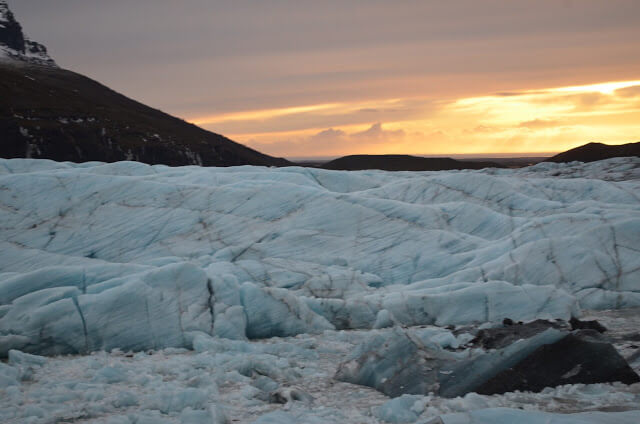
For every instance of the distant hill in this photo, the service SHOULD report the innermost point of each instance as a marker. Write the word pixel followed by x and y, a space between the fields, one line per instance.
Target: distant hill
pixel 51 113
pixel 403 163
pixel 596 151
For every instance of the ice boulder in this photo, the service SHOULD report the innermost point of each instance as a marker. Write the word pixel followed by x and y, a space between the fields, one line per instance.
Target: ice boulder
pixel 17 358
pixel 275 312
pixel 213 415
pixel 400 410
pixel 25 363
pixel 281 417
pixel 277 417
pixel 149 310
pixel 9 376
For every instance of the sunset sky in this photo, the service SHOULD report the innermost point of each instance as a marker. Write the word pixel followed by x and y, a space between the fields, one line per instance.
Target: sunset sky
pixel 327 78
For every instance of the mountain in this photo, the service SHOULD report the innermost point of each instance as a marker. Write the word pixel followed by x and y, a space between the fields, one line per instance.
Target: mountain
pixel 403 163
pixel 596 151
pixel 52 113
pixel 15 45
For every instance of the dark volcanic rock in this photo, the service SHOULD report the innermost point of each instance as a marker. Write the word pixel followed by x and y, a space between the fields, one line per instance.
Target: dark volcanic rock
pixel 288 395
pixel 10 30
pixel 596 151
pixel 632 337
pixel 401 362
pixel 403 163
pixel 526 357
pixel 576 324
pixel 577 358
pixel 499 337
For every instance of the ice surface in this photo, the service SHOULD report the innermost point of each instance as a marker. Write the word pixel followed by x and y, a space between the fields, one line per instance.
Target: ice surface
pixel 131 256
pixel 298 250
pixel 155 260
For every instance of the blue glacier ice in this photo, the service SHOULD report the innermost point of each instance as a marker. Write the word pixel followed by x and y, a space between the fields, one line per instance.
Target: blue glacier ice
pixel 102 256
pixel 401 410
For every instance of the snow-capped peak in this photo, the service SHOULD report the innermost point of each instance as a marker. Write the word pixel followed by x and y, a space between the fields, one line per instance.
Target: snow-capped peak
pixel 4 12
pixel 15 46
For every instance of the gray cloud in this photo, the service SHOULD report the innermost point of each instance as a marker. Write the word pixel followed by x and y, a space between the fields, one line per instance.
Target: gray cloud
pixel 198 57
pixel 376 134
pixel 539 123
pixel 510 94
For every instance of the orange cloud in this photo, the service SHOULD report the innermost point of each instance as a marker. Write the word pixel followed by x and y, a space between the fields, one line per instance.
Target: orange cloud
pixel 633 91
pixel 521 121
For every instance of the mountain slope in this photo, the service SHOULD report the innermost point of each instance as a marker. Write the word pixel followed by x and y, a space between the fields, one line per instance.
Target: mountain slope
pixel 402 163
pixel 596 151
pixel 57 114
pixel 51 113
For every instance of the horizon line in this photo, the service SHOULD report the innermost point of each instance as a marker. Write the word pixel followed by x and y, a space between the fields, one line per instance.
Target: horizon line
pixel 496 155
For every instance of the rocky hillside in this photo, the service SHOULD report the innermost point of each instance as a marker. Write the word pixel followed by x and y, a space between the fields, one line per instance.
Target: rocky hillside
pixel 51 113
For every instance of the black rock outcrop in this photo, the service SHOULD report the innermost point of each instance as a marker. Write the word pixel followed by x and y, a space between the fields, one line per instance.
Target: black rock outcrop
pixel 577 324
pixel 10 30
pixel 580 357
pixel 525 357
pixel 499 337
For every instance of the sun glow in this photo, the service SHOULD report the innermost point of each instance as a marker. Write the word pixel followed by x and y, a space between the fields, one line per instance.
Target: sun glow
pixel 603 88
pixel 540 120
pixel 263 113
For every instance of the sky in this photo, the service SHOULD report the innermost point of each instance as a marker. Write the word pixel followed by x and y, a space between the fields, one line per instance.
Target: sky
pixel 305 78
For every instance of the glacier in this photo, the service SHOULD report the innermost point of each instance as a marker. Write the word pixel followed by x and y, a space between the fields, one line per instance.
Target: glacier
pixel 242 265
pixel 96 256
